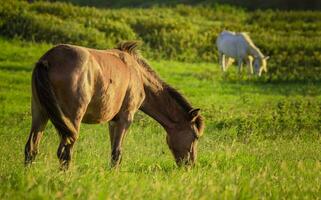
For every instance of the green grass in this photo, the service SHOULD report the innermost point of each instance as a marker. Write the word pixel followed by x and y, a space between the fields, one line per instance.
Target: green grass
pixel 262 141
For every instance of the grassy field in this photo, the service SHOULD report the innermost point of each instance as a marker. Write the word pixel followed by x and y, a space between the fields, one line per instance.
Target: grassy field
pixel 262 140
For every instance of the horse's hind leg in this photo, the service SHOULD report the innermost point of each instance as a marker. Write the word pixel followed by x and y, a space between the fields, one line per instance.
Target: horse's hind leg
pixel 228 61
pixel 39 121
pixel 67 142
pixel 64 152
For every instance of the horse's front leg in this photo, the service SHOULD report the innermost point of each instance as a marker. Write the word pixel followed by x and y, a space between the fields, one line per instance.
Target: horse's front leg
pixel 117 131
pixel 249 65
pixel 240 65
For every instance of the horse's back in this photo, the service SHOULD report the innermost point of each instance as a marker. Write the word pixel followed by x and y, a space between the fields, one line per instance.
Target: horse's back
pixel 112 83
pixel 88 83
pixel 231 44
pixel 226 43
pixel 64 57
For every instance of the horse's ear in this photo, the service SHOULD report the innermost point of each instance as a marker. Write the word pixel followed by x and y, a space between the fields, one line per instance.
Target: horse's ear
pixel 194 113
pixel 267 57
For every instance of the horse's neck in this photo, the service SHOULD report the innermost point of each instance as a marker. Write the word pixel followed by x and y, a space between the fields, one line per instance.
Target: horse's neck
pixel 254 51
pixel 161 106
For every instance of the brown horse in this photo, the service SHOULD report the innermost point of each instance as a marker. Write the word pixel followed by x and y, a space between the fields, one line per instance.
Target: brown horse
pixel 72 84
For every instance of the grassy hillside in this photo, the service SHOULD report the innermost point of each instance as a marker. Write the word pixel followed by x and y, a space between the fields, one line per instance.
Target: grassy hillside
pixel 261 141
pixel 181 33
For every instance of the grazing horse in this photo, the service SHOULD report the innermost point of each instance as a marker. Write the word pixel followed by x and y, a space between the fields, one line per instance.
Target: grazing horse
pixel 73 84
pixel 239 46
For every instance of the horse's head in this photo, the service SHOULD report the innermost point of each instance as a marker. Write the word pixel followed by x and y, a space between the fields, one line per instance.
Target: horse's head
pixel 182 139
pixel 260 64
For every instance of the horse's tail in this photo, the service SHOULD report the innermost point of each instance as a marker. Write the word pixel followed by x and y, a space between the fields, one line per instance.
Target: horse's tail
pixel 43 91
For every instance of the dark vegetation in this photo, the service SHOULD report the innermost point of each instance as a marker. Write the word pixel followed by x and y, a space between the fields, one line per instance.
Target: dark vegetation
pixel 183 33
pixel 248 4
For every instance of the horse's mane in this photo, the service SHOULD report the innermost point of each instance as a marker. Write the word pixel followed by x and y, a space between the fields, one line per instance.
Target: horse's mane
pixel 247 38
pixel 131 47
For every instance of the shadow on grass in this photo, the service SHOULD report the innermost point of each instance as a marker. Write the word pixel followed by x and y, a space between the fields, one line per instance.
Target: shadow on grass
pixel 14 67
pixel 280 87
pixel 234 84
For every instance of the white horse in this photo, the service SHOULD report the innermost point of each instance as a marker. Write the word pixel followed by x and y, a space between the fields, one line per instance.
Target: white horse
pixel 240 47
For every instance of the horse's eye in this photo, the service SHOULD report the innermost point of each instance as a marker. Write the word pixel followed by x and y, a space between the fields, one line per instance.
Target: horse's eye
pixel 195 130
pixel 195 135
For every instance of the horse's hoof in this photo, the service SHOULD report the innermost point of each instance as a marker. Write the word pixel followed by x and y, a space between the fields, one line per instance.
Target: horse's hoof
pixel 64 165
pixel 27 164
pixel 28 161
